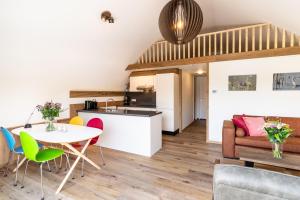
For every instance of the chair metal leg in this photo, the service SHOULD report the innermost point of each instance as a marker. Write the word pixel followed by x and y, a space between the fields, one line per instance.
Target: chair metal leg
pixel 102 155
pixel 49 168
pixel 17 169
pixel 55 165
pixel 7 165
pixel 41 169
pixel 61 158
pixel 25 172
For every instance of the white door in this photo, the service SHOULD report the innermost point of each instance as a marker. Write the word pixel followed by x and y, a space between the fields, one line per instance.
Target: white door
pixel 201 97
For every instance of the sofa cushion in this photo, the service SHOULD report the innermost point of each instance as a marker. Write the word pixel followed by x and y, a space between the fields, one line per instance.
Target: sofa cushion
pixel 239 123
pixel 292 144
pixel 255 125
pixel 240 132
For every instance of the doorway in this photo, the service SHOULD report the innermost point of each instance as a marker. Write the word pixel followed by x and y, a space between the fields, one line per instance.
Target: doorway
pixel 201 97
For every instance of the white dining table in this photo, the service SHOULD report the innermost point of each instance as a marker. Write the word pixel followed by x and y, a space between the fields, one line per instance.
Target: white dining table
pixel 65 135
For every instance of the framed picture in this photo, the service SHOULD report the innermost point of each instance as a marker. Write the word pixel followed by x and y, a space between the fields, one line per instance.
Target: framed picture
pixel 286 81
pixel 242 83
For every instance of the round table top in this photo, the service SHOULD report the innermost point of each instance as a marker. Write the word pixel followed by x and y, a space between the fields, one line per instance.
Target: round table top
pixel 66 133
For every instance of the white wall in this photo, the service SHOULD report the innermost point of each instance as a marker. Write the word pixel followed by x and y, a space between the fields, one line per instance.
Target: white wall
pixel 50 47
pixel 187 98
pixel 264 101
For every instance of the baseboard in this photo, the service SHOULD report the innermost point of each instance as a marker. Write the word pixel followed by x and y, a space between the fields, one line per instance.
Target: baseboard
pixel 173 133
pixel 213 142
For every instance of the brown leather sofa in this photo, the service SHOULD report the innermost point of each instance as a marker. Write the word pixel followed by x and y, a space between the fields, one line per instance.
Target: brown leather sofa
pixel 231 138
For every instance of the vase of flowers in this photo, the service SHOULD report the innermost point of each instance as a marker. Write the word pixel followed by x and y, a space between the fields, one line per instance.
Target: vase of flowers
pixel 277 132
pixel 49 112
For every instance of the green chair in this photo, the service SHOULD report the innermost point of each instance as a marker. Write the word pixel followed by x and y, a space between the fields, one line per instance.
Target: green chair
pixel 32 153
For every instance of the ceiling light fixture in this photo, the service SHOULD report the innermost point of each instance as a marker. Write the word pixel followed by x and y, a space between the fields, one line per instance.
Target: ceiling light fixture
pixel 107 17
pixel 180 21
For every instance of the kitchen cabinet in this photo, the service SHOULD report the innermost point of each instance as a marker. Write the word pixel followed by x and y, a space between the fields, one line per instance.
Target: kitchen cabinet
pixel 167 100
pixel 141 81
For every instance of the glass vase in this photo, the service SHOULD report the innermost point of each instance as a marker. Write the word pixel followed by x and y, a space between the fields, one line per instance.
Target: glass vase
pixel 277 150
pixel 50 126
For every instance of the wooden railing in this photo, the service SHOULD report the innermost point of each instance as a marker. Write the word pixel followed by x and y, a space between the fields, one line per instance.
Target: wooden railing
pixel 231 41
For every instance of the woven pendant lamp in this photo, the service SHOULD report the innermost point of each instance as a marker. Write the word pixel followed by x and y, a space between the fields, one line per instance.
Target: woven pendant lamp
pixel 180 21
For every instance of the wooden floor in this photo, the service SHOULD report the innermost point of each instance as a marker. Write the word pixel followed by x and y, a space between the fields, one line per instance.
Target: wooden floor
pixel 181 170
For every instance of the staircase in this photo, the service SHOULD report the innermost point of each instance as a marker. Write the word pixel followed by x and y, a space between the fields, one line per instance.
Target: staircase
pixel 259 40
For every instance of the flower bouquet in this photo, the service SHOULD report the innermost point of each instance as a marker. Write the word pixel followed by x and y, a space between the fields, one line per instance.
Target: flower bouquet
pixel 277 132
pixel 50 111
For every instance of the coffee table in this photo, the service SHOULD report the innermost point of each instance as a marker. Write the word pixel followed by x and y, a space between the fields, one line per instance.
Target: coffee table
pixel 265 156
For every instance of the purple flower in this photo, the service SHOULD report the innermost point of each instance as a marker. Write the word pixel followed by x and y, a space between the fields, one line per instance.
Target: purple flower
pixel 57 106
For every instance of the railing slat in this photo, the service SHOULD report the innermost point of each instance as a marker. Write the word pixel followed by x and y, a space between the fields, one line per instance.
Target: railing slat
pixel 204 44
pixel 260 38
pixel 283 38
pixel 166 51
pixel 157 52
pixel 175 53
pixel 146 56
pixel 199 46
pixel 292 40
pixel 194 48
pixel 189 50
pixel 227 42
pixel 215 44
pixel 246 39
pixel 253 39
pixel 221 43
pixel 179 51
pixel 170 51
pixel 161 53
pixel 233 41
pixel 275 37
pixel 268 36
pixel 184 49
pixel 209 45
pixel 240 41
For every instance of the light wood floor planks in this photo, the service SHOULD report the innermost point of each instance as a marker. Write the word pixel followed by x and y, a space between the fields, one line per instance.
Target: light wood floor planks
pixel 181 170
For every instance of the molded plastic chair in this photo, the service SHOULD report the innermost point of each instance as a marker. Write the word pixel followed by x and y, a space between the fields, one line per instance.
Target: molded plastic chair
pixel 11 143
pixel 94 123
pixel 32 153
pixel 76 121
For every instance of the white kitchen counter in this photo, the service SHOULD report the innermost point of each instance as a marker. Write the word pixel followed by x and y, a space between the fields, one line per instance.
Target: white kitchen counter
pixel 138 134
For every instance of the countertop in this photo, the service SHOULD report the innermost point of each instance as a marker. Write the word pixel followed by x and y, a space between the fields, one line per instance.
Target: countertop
pixel 138 106
pixel 137 113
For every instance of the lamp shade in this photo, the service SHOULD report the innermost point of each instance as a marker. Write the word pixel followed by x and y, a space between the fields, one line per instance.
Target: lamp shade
pixel 180 21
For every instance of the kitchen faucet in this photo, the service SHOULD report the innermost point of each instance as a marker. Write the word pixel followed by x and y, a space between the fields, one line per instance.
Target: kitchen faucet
pixel 108 100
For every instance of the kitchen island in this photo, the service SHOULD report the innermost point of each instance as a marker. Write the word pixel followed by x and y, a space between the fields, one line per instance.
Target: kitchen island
pixel 132 131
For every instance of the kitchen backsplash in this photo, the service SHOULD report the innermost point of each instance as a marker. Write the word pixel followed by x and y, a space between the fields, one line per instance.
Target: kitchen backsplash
pixel 142 99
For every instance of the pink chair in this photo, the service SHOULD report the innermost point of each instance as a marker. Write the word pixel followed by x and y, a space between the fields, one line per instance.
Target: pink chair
pixel 94 123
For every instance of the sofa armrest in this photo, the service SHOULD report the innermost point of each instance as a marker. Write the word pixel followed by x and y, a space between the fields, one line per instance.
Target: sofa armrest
pixel 228 139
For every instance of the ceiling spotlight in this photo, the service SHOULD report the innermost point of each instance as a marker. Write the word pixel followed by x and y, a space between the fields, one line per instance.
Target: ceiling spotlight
pixel 107 17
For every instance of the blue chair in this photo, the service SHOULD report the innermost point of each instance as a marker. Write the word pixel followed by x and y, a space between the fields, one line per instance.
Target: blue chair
pixel 11 142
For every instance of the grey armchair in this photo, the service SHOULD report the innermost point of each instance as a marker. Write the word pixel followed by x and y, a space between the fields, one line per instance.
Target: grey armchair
pixel 242 183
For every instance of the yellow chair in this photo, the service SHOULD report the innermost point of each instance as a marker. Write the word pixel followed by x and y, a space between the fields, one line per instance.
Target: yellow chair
pixel 76 121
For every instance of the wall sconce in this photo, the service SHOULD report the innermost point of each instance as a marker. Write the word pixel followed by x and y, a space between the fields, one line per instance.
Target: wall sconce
pixel 106 17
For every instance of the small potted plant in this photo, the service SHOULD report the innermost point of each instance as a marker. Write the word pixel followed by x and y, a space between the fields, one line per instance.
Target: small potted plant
pixel 277 132
pixel 50 111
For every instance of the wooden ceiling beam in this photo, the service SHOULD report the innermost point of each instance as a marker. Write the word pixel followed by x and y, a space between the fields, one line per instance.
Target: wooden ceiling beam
pixel 218 58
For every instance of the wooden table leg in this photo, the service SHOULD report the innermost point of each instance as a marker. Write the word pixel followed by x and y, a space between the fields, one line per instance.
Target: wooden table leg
pixel 79 155
pixel 20 164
